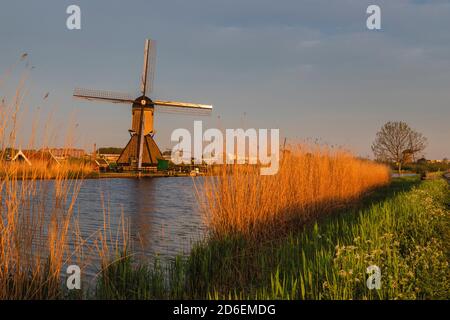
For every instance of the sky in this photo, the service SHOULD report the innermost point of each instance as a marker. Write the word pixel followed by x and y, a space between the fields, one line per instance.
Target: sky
pixel 310 68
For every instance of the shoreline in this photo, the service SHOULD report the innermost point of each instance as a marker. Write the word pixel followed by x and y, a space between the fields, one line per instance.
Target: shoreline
pixel 112 176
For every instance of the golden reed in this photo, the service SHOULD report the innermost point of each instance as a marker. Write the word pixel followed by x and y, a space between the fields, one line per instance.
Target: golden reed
pixel 37 218
pixel 311 182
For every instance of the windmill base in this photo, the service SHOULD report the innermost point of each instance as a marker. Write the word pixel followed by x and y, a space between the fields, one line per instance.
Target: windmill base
pixel 150 154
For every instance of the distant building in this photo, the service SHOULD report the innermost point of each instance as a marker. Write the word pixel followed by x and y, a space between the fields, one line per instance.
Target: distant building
pixel 65 153
pixel 21 157
pixel 110 157
pixel 101 164
pixel 167 155
pixel 33 156
pixel 437 161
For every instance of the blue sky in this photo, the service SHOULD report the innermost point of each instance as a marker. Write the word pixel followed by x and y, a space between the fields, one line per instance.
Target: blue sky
pixel 310 68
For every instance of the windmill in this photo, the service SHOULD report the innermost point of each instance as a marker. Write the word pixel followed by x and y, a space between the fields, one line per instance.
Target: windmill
pixel 141 150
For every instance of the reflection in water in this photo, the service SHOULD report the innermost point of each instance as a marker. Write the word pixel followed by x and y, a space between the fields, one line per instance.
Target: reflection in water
pixel 142 194
pixel 162 213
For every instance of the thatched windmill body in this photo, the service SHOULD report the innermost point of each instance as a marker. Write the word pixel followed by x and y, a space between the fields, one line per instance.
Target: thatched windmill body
pixel 141 150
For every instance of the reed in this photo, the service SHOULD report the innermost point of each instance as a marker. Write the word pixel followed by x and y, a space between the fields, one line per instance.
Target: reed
pixel 34 234
pixel 37 218
pixel 41 169
pixel 312 181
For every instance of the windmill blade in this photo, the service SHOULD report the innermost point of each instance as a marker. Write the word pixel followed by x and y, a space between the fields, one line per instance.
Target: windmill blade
pixel 148 70
pixel 186 105
pixel 183 111
pixel 186 108
pixel 102 95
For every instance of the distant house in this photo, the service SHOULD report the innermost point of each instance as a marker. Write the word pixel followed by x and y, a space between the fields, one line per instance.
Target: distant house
pixel 101 164
pixel 110 157
pixel 422 161
pixel 21 157
pixel 437 161
pixel 64 153
pixel 33 156
pixel 167 155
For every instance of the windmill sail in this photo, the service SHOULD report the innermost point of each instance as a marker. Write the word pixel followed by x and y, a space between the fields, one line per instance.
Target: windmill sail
pixel 103 95
pixel 148 70
pixel 186 108
pixel 183 111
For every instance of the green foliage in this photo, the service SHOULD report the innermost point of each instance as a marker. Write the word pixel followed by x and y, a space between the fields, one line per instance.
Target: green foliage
pixel 123 280
pixel 420 167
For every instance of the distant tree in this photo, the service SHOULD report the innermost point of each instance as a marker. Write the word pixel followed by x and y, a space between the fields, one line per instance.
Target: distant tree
pixel 396 142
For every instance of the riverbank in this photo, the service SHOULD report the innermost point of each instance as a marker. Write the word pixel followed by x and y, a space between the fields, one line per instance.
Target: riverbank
pixel 130 174
pixel 403 229
pixel 101 175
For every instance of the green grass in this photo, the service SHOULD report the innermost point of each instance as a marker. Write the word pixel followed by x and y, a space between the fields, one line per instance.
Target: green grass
pixel 122 281
pixel 404 229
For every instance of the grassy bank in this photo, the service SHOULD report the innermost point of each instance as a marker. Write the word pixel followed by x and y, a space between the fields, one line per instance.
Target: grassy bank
pixel 403 229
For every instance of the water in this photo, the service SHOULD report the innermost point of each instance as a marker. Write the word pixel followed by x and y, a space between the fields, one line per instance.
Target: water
pixel 162 215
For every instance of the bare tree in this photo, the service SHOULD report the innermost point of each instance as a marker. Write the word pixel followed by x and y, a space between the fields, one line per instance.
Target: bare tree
pixel 397 142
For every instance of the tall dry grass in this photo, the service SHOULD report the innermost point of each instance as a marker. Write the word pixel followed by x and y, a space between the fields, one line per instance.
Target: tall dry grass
pixel 311 181
pixel 35 216
pixel 41 169
pixel 39 232
pixel 34 236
